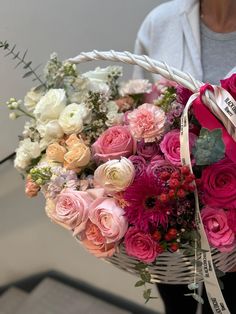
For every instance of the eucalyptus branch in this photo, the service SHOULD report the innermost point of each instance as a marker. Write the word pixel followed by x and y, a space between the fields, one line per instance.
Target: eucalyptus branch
pixel 26 64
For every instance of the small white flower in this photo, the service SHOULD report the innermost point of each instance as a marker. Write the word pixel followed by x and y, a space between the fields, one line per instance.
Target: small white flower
pixel 26 151
pixel 13 116
pixel 50 105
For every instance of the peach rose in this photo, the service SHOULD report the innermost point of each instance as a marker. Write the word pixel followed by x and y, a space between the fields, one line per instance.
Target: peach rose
pixel 99 250
pixel 72 140
pixel 55 152
pixel 77 156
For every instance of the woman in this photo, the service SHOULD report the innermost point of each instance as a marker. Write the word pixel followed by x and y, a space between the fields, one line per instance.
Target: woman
pixel 198 37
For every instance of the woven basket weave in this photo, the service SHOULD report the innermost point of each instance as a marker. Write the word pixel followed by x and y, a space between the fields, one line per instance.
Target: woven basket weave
pixel 171 268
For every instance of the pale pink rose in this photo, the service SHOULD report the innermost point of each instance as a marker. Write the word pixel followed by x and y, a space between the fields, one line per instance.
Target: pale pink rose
pixel 134 87
pixel 72 209
pixel 115 142
pixel 109 218
pixel 219 234
pixel 164 83
pixel 170 146
pixel 99 250
pixel 31 188
pixel 140 245
pixel 146 122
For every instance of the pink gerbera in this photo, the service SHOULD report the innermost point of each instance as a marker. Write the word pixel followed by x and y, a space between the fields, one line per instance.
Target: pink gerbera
pixel 144 210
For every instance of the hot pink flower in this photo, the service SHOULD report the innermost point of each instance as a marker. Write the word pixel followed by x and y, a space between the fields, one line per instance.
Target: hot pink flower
pixel 109 218
pixel 140 245
pixel 218 184
pixel 231 215
pixel 72 209
pixel 115 142
pixel 170 146
pixel 230 84
pixel 219 234
pixel 147 122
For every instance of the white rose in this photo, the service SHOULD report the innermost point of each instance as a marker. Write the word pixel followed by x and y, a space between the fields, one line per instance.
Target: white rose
pixel 26 151
pixel 50 130
pixel 115 175
pixel 73 117
pixel 32 98
pixel 50 105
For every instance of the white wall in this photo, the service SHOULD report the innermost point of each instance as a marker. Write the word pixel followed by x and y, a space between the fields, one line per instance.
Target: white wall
pixel 28 241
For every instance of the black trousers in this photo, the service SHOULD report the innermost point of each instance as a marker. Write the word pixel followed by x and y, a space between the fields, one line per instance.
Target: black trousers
pixel 176 303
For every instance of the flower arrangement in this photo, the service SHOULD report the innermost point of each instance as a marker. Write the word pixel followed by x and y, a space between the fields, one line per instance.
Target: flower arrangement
pixel 106 156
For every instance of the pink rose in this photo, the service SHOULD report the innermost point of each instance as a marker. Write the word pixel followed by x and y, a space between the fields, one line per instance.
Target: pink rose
pixel 139 165
pixel 115 142
pixel 152 96
pixel 157 166
pixel 93 234
pixel 109 218
pixel 146 122
pixel 219 234
pixel 230 84
pixel 218 183
pixel 72 209
pixel 140 245
pixel 170 146
pixel 99 250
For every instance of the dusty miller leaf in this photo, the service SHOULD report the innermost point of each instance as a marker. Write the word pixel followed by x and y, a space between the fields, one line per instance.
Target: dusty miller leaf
pixel 209 147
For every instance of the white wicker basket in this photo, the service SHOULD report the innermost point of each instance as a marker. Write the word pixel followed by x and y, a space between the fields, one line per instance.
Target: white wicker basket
pixel 171 268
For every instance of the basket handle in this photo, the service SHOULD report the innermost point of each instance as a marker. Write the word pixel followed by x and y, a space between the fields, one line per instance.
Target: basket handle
pixel 144 62
pixel 151 65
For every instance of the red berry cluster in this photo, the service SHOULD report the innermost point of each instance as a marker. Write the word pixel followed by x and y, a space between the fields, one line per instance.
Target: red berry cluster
pixel 180 183
pixel 169 240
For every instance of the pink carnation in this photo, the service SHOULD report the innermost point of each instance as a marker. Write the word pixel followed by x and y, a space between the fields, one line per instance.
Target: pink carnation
pixel 218 184
pixel 72 209
pixel 147 122
pixel 219 234
pixel 140 245
pixel 170 146
pixel 115 142
pixel 109 218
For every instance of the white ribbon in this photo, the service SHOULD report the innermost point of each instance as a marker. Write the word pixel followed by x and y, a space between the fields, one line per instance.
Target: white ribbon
pixel 228 106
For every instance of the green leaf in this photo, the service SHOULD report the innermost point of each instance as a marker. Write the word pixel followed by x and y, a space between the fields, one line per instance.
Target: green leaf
pixel 140 266
pixel 27 74
pixel 147 294
pixel 145 276
pixel 139 283
pixel 209 147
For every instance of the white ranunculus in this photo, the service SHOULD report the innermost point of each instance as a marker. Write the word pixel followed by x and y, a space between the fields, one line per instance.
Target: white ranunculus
pixel 50 105
pixel 71 118
pixel 26 151
pixel 115 175
pixel 51 129
pixel 32 98
pixel 113 117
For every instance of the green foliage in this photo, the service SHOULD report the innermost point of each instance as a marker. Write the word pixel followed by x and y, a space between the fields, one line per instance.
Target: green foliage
pixel 209 147
pixel 27 65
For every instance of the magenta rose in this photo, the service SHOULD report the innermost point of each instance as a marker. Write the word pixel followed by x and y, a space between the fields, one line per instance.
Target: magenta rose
pixel 139 165
pixel 72 209
pixel 230 85
pixel 140 245
pixel 157 166
pixel 115 142
pixel 109 218
pixel 147 150
pixel 183 94
pixel 218 184
pixel 170 146
pixel 219 234
pixel 231 215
